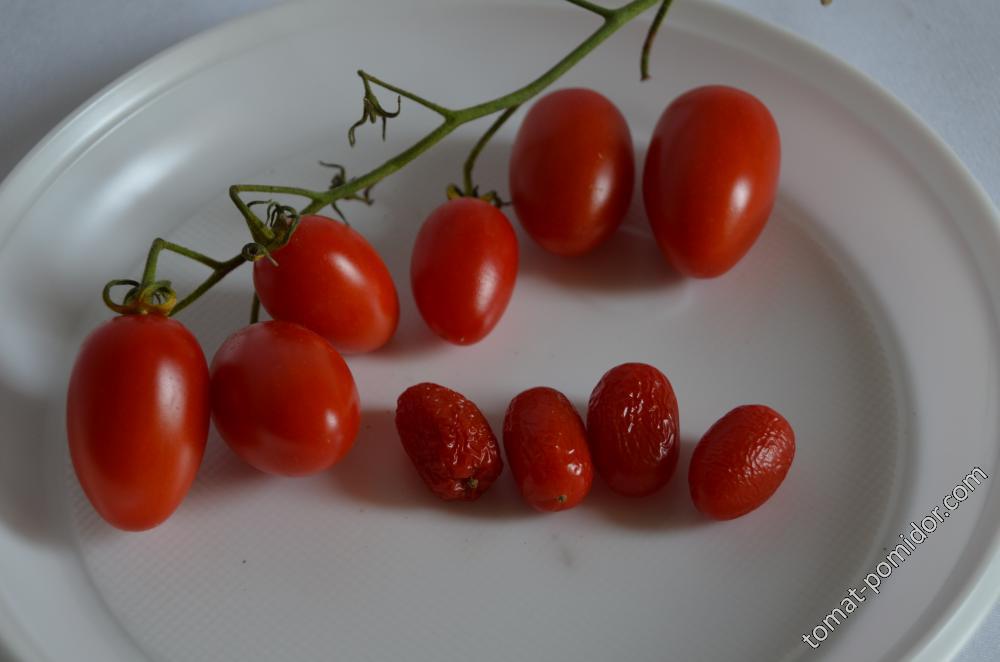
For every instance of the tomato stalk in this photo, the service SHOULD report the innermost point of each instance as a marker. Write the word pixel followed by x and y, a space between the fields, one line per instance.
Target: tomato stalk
pixel 217 274
pixel 613 20
pixel 151 295
pixel 255 309
pixel 267 239
pixel 470 189
pixel 647 45
pixel 590 6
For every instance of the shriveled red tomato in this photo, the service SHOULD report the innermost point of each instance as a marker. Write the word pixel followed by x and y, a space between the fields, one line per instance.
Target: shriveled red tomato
pixel 546 446
pixel 137 418
pixel 449 441
pixel 632 421
pixel 710 178
pixel 741 461
pixel 283 399
pixel 463 269
pixel 572 171
pixel 329 279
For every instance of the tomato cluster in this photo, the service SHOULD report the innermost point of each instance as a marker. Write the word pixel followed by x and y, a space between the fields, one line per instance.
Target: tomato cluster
pixel 631 439
pixel 283 398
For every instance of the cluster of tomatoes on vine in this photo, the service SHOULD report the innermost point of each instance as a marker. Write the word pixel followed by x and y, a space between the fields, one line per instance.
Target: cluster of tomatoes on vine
pixel 282 397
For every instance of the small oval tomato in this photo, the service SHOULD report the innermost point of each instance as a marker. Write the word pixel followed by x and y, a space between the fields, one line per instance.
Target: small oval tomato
pixel 741 461
pixel 710 178
pixel 633 424
pixel 137 418
pixel 329 279
pixel 463 269
pixel 546 446
pixel 449 441
pixel 283 399
pixel 572 171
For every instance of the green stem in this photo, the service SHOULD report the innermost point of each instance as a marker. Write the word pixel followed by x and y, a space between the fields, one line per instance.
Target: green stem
pixel 470 162
pixel 160 245
pixel 285 190
pixel 255 309
pixel 218 274
pixel 378 174
pixel 612 23
pixel 590 6
pixel 647 45
pixel 613 20
pixel 150 287
pixel 430 105
pixel 258 229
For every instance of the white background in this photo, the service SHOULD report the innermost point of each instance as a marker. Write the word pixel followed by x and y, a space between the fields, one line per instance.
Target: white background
pixel 941 57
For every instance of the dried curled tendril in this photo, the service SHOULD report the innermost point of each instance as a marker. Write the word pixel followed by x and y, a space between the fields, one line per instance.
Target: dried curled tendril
pixel 372 110
pixel 280 218
pixel 340 179
pixel 157 297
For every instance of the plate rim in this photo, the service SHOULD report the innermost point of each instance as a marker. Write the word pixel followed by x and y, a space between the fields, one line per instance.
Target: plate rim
pixel 77 132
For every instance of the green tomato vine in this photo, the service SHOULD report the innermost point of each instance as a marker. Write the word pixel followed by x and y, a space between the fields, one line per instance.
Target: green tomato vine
pixel 275 229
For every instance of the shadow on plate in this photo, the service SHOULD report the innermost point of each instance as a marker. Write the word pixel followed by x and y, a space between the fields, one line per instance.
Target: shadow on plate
pixel 377 472
pixel 26 505
pixel 412 338
pixel 670 508
pixel 629 261
pixel 223 474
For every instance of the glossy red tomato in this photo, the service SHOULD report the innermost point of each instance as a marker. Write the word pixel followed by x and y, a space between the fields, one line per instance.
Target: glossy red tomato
pixel 463 269
pixel 283 399
pixel 572 171
pixel 710 178
pixel 329 279
pixel 546 446
pixel 741 461
pixel 632 421
pixel 137 418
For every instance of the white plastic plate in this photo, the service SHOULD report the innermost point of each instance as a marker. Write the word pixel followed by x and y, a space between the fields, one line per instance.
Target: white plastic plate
pixel 867 313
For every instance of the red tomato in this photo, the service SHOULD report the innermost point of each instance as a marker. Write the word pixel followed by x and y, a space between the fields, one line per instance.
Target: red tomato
pixel 633 423
pixel 329 279
pixel 710 178
pixel 546 446
pixel 137 418
pixel 572 171
pixel 463 269
pixel 283 399
pixel 741 461
pixel 449 441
